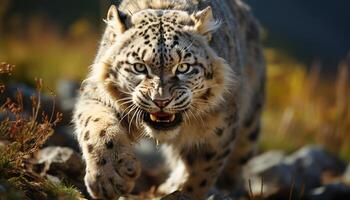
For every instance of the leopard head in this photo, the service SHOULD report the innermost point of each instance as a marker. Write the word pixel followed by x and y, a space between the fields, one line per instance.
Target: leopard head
pixel 160 68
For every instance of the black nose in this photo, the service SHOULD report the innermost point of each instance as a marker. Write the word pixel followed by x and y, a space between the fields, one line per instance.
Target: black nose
pixel 161 103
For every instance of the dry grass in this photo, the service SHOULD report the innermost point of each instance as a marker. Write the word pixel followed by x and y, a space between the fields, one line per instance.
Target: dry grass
pixel 303 107
pixel 24 133
pixel 40 50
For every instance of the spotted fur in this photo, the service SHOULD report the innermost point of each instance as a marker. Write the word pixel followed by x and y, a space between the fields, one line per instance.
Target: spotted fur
pixel 212 77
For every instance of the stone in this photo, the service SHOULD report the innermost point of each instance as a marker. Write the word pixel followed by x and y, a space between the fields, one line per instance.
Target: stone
pixel 177 195
pixel 270 168
pixel 67 91
pixel 61 163
pixel 216 194
pixel 336 191
pixel 346 175
pixel 63 137
pixel 219 197
pixel 274 173
pixel 60 159
pixel 311 162
pixel 154 168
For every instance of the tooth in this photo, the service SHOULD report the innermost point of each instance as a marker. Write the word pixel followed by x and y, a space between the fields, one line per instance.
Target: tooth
pixel 172 118
pixel 153 118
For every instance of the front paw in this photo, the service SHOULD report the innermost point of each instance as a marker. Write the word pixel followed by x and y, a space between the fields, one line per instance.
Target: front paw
pixel 110 179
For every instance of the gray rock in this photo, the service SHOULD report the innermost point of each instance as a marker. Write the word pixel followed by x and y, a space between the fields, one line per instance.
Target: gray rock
pixel 2 189
pixel 316 158
pixel 336 191
pixel 63 137
pixel 302 170
pixel 219 197
pixel 270 168
pixel 60 158
pixel 154 169
pixel 61 163
pixel 346 175
pixel 216 194
pixel 309 163
pixel 67 92
pixel 53 179
pixel 148 153
pixel 176 196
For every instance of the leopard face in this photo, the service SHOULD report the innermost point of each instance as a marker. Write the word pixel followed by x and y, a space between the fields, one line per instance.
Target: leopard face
pixel 162 71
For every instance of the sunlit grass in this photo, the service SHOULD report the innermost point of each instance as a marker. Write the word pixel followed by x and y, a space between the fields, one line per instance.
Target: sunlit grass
pixel 41 51
pixel 303 107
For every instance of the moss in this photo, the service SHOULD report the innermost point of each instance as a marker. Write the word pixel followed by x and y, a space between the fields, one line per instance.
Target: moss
pixel 61 191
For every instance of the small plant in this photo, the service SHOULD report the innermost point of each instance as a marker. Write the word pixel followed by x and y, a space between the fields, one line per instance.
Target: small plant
pixel 24 134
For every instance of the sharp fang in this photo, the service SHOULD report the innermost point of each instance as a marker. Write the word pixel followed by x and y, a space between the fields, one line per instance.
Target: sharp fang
pixel 153 118
pixel 172 118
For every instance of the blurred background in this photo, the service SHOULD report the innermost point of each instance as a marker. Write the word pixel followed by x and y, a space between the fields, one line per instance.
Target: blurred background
pixel 307 45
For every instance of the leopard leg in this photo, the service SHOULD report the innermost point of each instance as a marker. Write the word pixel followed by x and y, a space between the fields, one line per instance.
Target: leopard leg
pixel 196 168
pixel 245 148
pixel 111 167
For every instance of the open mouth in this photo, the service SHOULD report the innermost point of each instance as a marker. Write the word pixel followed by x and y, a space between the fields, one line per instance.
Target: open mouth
pixel 163 120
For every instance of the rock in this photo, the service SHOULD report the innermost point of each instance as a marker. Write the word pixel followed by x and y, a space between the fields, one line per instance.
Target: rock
pixel 154 169
pixel 53 179
pixel 61 163
pixel 62 159
pixel 302 170
pixel 316 158
pixel 63 137
pixel 8 191
pixel 310 163
pixel 2 189
pixel 67 92
pixel 216 194
pixel 219 197
pixel 148 153
pixel 346 175
pixel 176 196
pixel 336 191
pixel 270 168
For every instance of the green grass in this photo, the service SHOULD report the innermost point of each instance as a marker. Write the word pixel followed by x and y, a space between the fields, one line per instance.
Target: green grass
pixel 62 191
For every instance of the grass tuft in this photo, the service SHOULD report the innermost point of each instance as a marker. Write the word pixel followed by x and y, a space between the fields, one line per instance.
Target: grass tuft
pixel 24 134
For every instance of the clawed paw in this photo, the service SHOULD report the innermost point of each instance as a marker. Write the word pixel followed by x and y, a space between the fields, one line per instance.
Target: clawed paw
pixel 113 179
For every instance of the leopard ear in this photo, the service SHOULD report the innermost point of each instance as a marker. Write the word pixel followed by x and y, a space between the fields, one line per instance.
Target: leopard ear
pixel 205 24
pixel 116 20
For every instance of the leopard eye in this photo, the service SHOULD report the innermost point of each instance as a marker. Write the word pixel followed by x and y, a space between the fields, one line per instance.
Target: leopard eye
pixel 183 68
pixel 140 68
